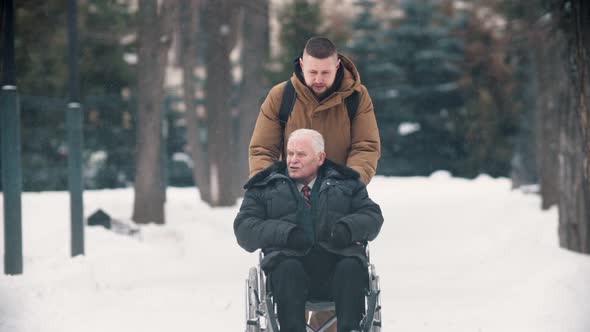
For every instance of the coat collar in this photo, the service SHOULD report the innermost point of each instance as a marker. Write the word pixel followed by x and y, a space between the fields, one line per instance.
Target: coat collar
pixel 278 170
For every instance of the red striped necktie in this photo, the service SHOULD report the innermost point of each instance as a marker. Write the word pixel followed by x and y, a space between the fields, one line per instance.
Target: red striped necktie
pixel 306 195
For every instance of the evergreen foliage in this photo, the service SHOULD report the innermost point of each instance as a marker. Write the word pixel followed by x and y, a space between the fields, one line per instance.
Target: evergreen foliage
pixel 368 52
pixel 106 86
pixel 422 120
pixel 444 94
pixel 299 21
pixel 447 90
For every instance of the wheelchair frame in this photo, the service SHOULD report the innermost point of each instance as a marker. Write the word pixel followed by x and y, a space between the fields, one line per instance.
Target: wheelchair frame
pixel 258 302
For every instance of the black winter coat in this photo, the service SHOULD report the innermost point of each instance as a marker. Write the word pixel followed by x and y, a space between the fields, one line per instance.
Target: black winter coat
pixel 269 212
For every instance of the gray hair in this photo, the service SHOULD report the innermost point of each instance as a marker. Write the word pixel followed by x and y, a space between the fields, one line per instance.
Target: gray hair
pixel 317 140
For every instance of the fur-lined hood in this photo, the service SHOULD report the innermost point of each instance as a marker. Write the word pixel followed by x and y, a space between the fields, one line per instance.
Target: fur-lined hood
pixel 278 169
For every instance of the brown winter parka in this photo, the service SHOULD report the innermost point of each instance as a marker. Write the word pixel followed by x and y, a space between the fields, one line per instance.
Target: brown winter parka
pixel 356 146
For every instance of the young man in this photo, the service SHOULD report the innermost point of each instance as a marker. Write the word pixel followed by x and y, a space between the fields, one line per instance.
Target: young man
pixel 311 218
pixel 322 80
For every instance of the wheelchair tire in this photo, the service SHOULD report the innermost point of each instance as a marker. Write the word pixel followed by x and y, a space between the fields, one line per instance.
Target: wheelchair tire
pixel 376 288
pixel 252 301
pixel 262 285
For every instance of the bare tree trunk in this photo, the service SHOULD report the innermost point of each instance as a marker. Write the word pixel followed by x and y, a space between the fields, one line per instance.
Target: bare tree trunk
pixel 572 202
pixel 255 56
pixel 220 23
pixel 154 41
pixel 189 44
pixel 574 217
pixel 551 90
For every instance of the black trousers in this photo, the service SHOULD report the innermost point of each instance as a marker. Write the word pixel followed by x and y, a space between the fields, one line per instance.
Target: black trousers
pixel 320 275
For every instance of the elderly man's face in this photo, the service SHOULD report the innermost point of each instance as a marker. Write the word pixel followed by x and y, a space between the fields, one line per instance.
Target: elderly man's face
pixel 302 161
pixel 319 74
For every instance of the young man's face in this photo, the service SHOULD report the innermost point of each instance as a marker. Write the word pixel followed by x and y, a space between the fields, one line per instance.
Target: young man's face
pixel 302 161
pixel 319 74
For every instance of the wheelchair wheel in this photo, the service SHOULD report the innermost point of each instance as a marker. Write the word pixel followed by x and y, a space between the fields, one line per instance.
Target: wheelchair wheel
pixel 262 285
pixel 252 301
pixel 377 290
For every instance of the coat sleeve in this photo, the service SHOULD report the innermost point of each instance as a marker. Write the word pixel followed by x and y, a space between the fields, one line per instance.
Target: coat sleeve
pixel 252 229
pixel 265 144
pixel 366 218
pixel 365 147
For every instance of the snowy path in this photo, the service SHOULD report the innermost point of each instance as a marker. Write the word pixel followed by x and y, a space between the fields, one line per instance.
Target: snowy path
pixel 453 255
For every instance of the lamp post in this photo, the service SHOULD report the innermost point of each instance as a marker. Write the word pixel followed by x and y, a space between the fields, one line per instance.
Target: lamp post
pixel 11 149
pixel 74 122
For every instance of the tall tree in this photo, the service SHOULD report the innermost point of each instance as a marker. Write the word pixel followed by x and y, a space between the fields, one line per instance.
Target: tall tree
pixel 368 51
pixel 547 49
pixel 190 40
pixel 221 29
pixel 428 98
pixel 379 74
pixel 155 37
pixel 494 77
pixel 574 207
pixel 108 99
pixel 255 54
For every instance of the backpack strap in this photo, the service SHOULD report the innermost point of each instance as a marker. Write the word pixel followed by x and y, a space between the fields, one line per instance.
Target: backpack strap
pixel 287 103
pixel 352 104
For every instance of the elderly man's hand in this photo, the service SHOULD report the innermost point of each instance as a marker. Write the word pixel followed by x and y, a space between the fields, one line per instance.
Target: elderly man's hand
pixel 341 236
pixel 296 239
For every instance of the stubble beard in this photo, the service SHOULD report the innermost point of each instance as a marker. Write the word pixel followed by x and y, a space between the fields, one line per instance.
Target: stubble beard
pixel 321 95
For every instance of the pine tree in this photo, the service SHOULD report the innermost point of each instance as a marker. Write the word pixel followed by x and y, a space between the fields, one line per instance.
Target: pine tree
pixel 428 100
pixel 377 71
pixel 300 20
pixel 42 81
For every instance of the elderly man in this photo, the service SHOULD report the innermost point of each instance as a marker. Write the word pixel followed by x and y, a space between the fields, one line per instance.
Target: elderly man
pixel 311 218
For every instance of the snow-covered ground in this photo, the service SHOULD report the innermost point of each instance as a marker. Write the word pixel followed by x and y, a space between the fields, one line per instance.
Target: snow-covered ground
pixel 453 255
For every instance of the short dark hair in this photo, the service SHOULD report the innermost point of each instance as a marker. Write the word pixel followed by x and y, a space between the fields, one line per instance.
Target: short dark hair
pixel 320 47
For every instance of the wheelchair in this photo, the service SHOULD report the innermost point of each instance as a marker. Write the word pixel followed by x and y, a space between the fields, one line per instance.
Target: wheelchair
pixel 261 314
